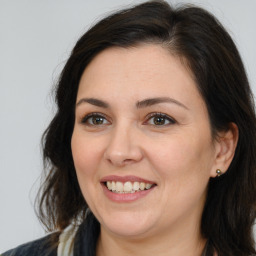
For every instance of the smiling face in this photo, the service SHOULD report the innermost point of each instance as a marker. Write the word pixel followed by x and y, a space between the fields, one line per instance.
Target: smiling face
pixel 142 130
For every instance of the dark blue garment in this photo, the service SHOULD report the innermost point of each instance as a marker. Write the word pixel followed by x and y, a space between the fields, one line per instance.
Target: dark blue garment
pixel 87 236
pixel 84 243
pixel 45 246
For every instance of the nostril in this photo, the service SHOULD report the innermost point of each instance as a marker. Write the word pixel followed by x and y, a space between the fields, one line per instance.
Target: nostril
pixel 127 160
pixel 118 161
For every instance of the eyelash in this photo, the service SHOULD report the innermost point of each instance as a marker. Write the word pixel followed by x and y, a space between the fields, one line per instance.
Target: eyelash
pixel 85 119
pixel 91 115
pixel 161 115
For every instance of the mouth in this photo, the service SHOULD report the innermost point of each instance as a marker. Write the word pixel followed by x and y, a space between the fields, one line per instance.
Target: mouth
pixel 127 184
pixel 127 187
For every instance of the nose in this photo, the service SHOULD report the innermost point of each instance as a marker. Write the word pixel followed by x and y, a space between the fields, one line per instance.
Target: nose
pixel 123 147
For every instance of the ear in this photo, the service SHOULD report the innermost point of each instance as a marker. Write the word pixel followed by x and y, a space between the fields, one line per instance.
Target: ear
pixel 225 147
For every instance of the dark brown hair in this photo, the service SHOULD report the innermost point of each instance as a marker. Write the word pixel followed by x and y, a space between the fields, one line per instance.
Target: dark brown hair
pixel 197 37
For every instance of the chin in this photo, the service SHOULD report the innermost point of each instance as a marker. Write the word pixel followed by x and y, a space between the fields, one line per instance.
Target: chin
pixel 127 225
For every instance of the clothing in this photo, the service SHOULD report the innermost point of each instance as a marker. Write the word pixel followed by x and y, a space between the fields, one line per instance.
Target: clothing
pixel 71 242
pixel 35 248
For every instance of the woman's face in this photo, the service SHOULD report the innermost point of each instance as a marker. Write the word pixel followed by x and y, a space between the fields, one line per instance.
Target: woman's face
pixel 142 129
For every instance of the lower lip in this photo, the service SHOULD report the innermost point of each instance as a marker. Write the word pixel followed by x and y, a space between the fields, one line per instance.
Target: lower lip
pixel 125 197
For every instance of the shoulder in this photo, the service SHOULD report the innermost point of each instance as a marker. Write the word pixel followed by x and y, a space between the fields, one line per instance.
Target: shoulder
pixel 46 246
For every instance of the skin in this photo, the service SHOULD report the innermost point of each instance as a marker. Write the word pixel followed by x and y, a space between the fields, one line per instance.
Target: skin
pixel 178 156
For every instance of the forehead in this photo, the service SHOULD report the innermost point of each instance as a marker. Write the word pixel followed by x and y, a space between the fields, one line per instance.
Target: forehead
pixel 142 71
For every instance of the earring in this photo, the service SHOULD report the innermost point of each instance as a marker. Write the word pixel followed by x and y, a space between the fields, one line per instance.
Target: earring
pixel 219 172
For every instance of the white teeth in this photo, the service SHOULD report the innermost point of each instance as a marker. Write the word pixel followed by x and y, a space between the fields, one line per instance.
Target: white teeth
pixel 119 186
pixel 136 186
pixel 113 186
pixel 127 187
pixel 109 185
pixel 142 186
pixel 148 186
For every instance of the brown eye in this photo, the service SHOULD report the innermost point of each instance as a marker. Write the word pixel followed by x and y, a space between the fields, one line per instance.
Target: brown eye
pixel 94 119
pixel 97 120
pixel 160 120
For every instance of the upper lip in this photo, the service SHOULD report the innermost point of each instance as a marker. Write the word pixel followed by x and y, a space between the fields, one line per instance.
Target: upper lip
pixel 125 178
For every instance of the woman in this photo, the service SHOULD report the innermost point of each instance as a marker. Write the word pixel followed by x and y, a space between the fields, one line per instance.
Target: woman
pixel 151 151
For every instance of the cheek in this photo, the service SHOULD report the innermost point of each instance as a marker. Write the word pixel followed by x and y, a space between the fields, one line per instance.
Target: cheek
pixel 182 156
pixel 86 155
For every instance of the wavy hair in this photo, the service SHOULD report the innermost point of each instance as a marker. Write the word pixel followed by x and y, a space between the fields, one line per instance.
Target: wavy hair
pixel 198 38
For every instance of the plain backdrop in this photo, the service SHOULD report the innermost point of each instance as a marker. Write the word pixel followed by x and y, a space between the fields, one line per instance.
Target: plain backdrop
pixel 36 38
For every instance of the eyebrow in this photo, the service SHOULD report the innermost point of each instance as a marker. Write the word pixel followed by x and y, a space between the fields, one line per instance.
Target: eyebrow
pixel 152 101
pixel 140 104
pixel 93 101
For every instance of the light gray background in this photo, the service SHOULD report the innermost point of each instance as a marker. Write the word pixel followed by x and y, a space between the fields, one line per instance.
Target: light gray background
pixel 35 40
